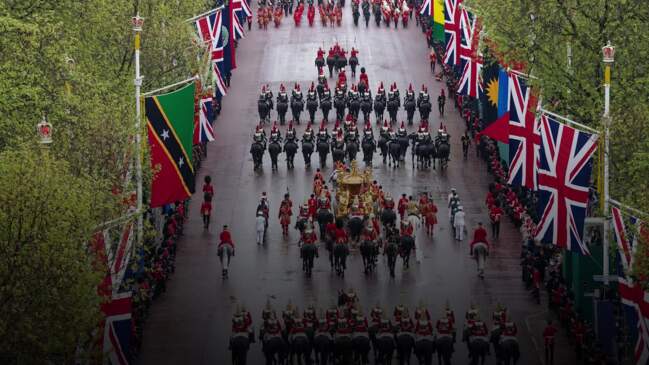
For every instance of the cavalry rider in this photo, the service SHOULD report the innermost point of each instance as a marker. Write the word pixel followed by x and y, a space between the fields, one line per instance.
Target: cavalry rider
pixel 297 92
pixel 423 136
pixel 381 90
pixel 369 234
pixel 388 202
pixel 343 329
pixel 445 328
pixel 272 328
pixel 297 330
pixel 342 79
pixel 310 317
pixel 424 328
pixel 275 134
pixel 478 330
pixel 410 93
pixel 260 135
pixel 406 324
pixel 376 314
pixel 290 133
pixel 323 134
pixel 332 315
pixel 385 130
pixel 308 134
pixel 309 238
pixel 363 79
pixel 422 313
pixel 361 327
pixel 320 53
pixel 239 328
pixel 311 93
pixel 282 95
pixel 509 332
pixel 403 132
pixel 352 133
pixel 400 311
pixel 312 205
pixel 347 124
pixel 340 139
pixel 442 135
pixel 423 95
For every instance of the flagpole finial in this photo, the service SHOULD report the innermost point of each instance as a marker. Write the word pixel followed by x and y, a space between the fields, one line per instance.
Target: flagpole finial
pixel 137 21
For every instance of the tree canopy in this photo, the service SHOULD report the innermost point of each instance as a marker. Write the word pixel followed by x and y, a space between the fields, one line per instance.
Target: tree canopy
pixel 73 62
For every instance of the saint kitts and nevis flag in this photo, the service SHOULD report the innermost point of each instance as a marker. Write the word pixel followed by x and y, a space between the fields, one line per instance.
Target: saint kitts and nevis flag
pixel 170 124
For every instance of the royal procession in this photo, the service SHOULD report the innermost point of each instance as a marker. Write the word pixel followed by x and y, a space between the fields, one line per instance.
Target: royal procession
pixel 321 182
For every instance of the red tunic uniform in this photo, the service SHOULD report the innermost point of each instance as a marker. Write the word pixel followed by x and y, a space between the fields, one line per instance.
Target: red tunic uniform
pixel 225 239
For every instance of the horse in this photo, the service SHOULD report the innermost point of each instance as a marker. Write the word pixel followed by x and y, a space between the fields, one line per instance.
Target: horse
pixel 323 345
pixel 442 152
pixel 324 217
pixel 424 108
pixel 351 149
pixel 311 107
pixel 385 347
pixel 341 62
pixel 300 347
pixel 423 151
pixel 239 345
pixel 394 152
pixel 379 107
pixel 340 251
pixel 366 12
pixel 353 60
pixel 257 152
pixel 369 251
pixel 393 107
pixel 354 105
pixel 338 152
pixel 478 348
pixel 225 253
pixel 444 347
pixel 297 106
pixel 388 218
pixel 274 149
pixel 383 146
pixel 366 107
pixel 274 347
pixel 368 146
pixel 290 148
pixel 308 252
pixel 506 348
pixel 339 104
pixel 391 251
pixel 323 151
pixel 406 244
pixel 355 226
pixel 282 108
pixel 424 349
pixel 325 106
pixel 361 347
pixel 342 348
pixel 404 142
pixel 331 62
pixel 410 104
pixel 405 342
pixel 307 150
pixel 263 108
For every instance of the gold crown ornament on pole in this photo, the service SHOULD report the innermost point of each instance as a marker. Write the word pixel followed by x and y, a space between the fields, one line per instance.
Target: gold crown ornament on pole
pixel 44 129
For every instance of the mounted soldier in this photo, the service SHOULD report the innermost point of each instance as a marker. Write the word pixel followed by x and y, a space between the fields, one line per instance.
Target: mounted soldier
pixel 297 103
pixel 312 102
pixel 409 103
pixel 282 104
pixel 423 103
pixel 275 134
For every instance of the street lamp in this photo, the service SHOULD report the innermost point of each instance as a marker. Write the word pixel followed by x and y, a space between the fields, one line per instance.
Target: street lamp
pixel 44 129
pixel 608 54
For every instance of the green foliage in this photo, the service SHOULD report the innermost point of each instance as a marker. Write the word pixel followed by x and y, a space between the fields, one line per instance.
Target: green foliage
pixel 73 62
pixel 48 300
pixel 540 33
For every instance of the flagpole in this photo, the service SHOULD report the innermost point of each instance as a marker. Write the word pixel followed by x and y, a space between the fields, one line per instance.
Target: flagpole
pixel 608 54
pixel 205 13
pixel 149 93
pixel 569 121
pixel 138 22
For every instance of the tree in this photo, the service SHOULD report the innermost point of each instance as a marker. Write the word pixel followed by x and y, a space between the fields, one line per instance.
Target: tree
pixel 560 42
pixel 48 286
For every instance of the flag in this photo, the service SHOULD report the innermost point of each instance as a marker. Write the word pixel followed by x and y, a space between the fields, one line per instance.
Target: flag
pixel 204 133
pixel 426 9
pixel 438 20
pixel 170 122
pixel 563 180
pixel 524 135
pixel 452 32
pixel 210 31
pixel 240 12
pixel 495 102
pixel 469 54
pixel 636 301
pixel 229 59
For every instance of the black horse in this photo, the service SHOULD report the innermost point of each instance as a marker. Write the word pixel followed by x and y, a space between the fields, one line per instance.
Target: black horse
pixel 444 348
pixel 324 217
pixel 394 151
pixel 341 62
pixel 282 108
pixel 409 103
pixel 424 107
pixel 274 347
pixel 339 104
pixel 406 245
pixel 290 148
pixel 393 107
pixel 353 60
pixel 331 62
pixel 369 252
pixel 507 349
pixel 368 145
pixel 354 105
pixel 405 344
pixel 383 146
pixel 263 107
pixel 355 226
pixel 307 150
pixel 404 142
pixel 366 107
pixel 325 106
pixel 257 152
pixel 379 107
pixel 323 151
pixel 351 149
pixel 297 106
pixel 323 344
pixel 338 151
pixel 274 149
pixel 391 251
pixel 424 349
pixel 340 252
pixel 376 9
pixel 239 345
pixel 311 106
pixel 385 347
pixel 442 152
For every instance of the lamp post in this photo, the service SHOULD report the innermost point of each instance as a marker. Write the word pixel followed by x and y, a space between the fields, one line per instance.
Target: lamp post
pixel 137 23
pixel 608 53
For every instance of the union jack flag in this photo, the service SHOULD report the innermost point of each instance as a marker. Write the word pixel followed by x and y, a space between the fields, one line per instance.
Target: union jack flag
pixel 426 8
pixel 563 176
pixel 452 15
pixel 205 116
pixel 524 135
pixel 470 81
pixel 209 30
pixel 240 12
pixel 117 310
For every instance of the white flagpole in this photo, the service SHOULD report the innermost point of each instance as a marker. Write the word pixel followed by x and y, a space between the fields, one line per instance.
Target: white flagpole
pixel 204 14
pixel 138 22
pixel 149 93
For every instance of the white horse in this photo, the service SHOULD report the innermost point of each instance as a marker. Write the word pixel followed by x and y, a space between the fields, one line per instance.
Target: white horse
pixel 225 251
pixel 415 221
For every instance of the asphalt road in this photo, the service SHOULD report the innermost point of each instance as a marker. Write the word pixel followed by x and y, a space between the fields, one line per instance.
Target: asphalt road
pixel 190 324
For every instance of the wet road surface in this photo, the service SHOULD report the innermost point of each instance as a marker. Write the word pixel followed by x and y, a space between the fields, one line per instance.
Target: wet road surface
pixel 190 323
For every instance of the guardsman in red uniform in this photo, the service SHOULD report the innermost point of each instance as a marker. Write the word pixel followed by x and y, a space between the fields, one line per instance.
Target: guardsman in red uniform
pixel 479 329
pixel 298 329
pixel 548 336
pixel 403 204
pixel 309 237
pixel 340 235
pixel 510 331
pixel 343 329
pixel 342 78
pixel 364 79
pixel 313 206
pixel 318 175
pixel 225 238
pixel 272 328
pixel 376 314
pixel 406 325
pixel 285 213
pixel 388 202
pixel 361 327
pixel 444 328
pixel 407 229
pixel 422 313
pixel 399 312
pixel 424 328
pixel 369 234
pixel 331 315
